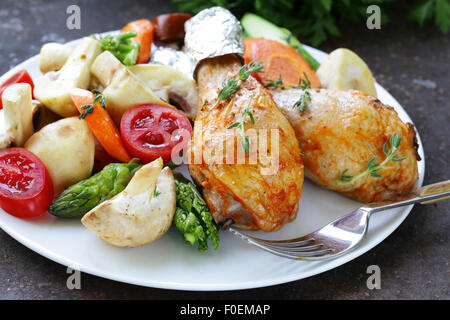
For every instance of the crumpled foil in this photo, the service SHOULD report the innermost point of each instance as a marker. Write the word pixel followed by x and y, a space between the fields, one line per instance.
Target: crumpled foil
pixel 173 58
pixel 211 33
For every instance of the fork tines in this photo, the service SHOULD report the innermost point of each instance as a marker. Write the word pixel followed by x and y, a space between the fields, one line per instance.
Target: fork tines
pixel 299 248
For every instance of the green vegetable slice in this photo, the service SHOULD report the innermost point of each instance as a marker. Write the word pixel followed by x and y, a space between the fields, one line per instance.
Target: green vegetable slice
pixel 121 46
pixel 255 26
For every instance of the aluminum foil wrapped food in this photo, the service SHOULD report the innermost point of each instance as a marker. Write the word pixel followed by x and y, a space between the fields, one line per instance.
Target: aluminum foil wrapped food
pixel 173 58
pixel 211 33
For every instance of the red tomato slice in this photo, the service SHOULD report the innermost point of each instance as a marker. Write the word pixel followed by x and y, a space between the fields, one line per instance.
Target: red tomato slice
pixel 20 77
pixel 151 131
pixel 26 188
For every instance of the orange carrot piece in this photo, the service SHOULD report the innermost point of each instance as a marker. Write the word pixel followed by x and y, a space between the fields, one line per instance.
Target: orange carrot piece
pixel 101 125
pixel 144 35
pixel 279 60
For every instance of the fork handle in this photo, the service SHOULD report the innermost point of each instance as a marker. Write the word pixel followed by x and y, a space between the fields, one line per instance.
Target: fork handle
pixel 433 189
pixel 424 195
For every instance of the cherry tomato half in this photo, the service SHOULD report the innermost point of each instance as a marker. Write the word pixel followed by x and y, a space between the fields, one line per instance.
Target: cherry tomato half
pixel 26 188
pixel 151 131
pixel 170 27
pixel 20 77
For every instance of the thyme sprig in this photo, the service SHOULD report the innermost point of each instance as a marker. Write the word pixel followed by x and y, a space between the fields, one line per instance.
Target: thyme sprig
pixel 302 103
pixel 374 169
pixel 272 84
pixel 89 108
pixel 230 86
pixel 204 104
pixel 245 142
pixel 303 83
pixel 247 70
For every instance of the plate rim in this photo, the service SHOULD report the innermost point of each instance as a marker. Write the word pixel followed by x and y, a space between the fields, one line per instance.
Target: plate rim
pixel 224 286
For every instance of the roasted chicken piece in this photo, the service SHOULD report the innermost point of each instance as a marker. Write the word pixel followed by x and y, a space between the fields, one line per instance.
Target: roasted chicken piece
pixel 262 194
pixel 340 132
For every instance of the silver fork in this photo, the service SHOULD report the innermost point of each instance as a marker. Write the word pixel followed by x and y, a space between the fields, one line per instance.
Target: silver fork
pixel 343 234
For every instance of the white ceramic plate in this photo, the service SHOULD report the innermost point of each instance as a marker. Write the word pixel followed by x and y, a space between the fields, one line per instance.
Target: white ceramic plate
pixel 170 263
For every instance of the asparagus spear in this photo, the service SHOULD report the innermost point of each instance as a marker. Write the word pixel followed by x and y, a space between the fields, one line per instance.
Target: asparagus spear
pixel 83 196
pixel 190 227
pixel 192 216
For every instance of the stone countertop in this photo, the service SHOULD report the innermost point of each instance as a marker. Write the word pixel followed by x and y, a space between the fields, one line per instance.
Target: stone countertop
pixel 412 64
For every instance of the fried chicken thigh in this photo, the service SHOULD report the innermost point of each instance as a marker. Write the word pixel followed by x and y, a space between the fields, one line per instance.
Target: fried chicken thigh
pixel 252 195
pixel 344 130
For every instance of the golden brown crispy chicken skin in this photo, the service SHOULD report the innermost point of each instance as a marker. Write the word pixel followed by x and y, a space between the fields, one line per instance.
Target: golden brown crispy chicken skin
pixel 344 130
pixel 241 193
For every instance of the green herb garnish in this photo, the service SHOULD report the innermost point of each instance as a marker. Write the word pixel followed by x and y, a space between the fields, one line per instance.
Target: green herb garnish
pixel 247 70
pixel 374 169
pixel 275 84
pixel 302 103
pixel 245 143
pixel 230 86
pixel 89 108
pixel 204 104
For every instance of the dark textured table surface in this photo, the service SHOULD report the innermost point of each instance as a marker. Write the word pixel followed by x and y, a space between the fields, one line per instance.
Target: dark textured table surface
pixel 412 65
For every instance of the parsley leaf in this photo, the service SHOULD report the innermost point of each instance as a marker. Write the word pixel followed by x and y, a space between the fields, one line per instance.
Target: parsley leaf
pixel 316 20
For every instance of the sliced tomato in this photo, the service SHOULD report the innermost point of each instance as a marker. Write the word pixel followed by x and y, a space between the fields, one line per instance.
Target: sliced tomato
pixel 151 131
pixel 20 77
pixel 26 188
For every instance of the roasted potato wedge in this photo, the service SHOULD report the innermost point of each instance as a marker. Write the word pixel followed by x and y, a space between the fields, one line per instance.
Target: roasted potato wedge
pixel 139 214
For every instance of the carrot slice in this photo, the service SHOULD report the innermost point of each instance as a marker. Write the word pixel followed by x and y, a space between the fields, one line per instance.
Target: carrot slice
pixel 279 60
pixel 144 35
pixel 101 125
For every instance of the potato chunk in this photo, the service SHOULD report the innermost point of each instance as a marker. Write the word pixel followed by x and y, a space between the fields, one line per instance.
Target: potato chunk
pixel 67 149
pixel 18 113
pixel 53 56
pixel 122 89
pixel 170 85
pixel 53 88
